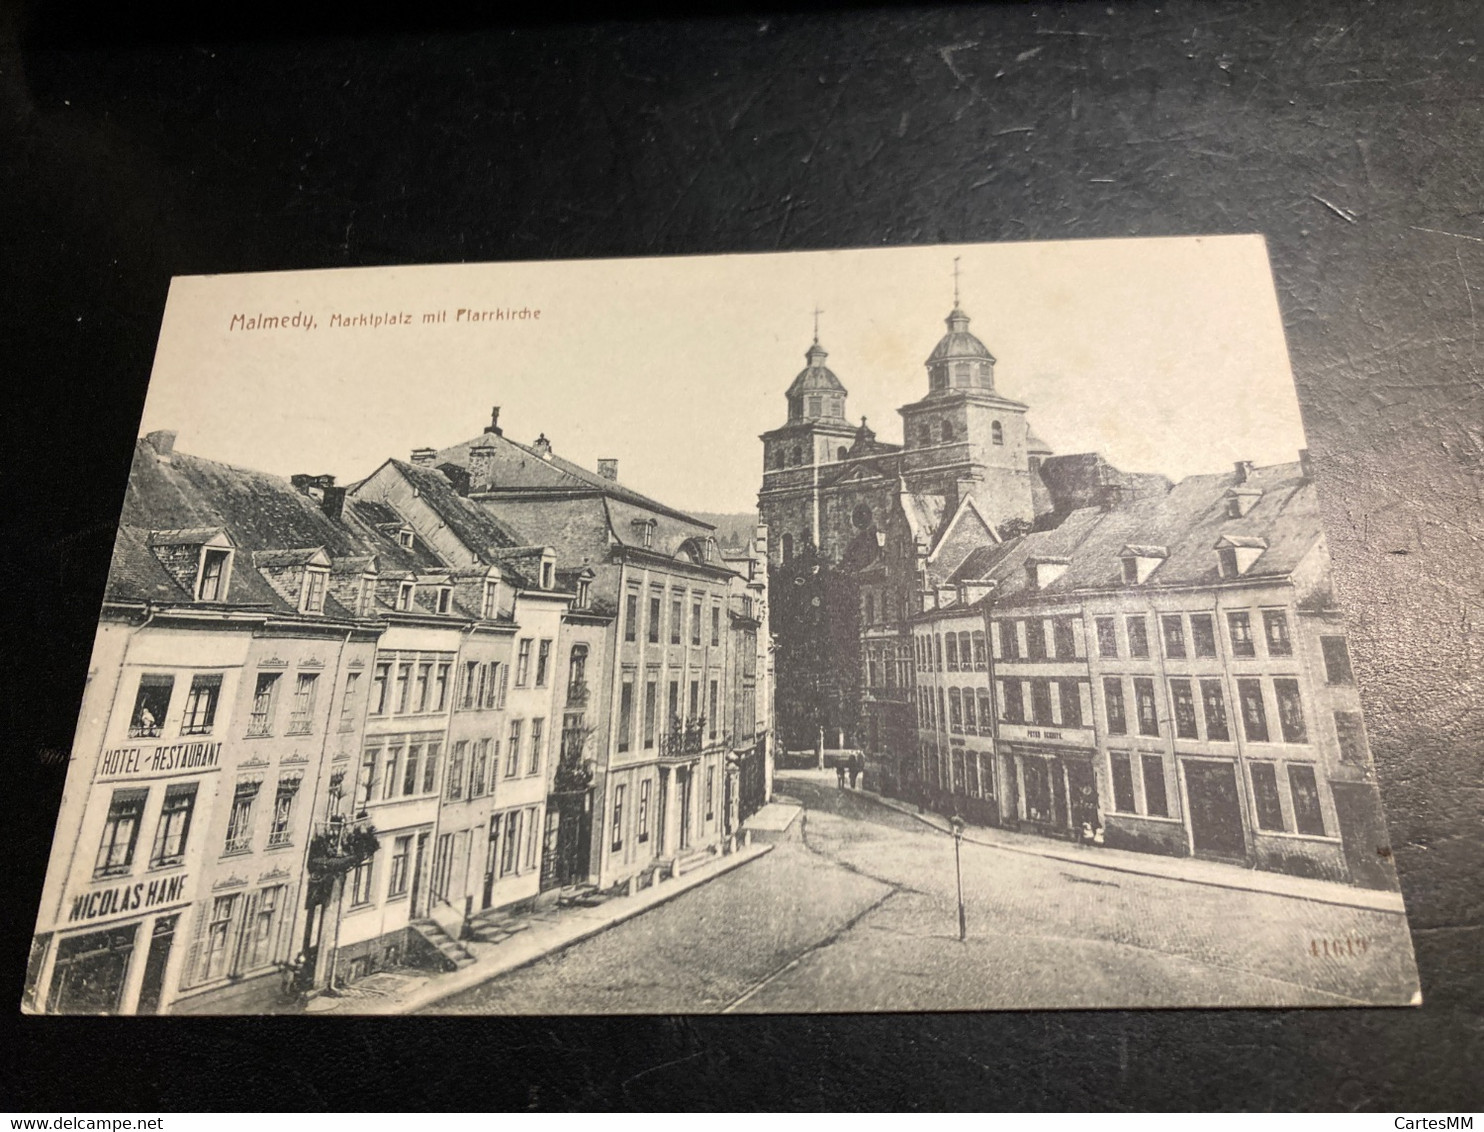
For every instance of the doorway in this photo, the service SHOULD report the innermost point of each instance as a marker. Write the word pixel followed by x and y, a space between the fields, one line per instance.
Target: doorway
pixel 1215 810
pixel 416 901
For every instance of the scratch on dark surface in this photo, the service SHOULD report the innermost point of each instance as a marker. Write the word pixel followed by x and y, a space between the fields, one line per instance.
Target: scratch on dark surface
pixel 627 1081
pixel 947 53
pixel 1343 213
pixel 1440 232
pixel 1014 130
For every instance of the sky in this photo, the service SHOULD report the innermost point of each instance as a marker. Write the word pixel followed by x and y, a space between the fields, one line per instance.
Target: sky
pixel 1166 355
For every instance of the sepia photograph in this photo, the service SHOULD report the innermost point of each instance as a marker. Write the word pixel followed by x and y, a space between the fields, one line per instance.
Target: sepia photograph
pixel 943 628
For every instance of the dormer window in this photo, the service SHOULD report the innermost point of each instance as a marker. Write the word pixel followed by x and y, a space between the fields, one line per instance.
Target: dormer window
pixel 1236 554
pixel 582 593
pixel 1041 572
pixel 315 583
pixel 404 539
pixel 1139 561
pixel 215 568
pixel 1239 501
pixel 548 572
pixel 489 605
pixel 645 529
pixel 404 596
pixel 445 599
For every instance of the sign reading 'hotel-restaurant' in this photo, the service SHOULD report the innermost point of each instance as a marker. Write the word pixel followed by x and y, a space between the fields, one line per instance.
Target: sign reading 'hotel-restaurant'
pixel 127 762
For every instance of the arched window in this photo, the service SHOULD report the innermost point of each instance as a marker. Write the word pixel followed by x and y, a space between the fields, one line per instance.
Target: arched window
pixel 842 453
pixel 996 432
pixel 947 430
pixel 788 547
pixel 798 455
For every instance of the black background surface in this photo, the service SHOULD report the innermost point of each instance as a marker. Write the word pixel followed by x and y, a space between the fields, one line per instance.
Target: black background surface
pixel 253 141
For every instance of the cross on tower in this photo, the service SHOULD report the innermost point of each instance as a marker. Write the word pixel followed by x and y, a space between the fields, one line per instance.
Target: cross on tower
pixel 817 313
pixel 955 282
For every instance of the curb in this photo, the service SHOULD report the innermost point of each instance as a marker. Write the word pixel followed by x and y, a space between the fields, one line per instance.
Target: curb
pixel 1385 902
pixel 437 990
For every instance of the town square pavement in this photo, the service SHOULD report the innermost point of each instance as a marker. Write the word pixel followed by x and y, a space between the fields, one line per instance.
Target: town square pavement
pixel 856 909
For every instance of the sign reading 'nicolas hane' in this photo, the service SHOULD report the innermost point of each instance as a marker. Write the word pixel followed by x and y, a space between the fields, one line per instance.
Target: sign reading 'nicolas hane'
pixel 127 898
pixel 138 762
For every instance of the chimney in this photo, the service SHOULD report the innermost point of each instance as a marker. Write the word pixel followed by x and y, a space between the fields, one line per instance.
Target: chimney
pixel 1244 469
pixel 424 457
pixel 163 442
pixel 1305 469
pixel 608 468
pixel 542 447
pixel 494 425
pixel 322 490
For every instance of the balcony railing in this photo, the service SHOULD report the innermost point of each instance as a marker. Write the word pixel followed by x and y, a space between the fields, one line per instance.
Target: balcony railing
pixel 692 738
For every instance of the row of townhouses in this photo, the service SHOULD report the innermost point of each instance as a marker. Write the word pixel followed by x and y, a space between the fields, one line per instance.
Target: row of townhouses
pixel 1045 643
pixel 329 730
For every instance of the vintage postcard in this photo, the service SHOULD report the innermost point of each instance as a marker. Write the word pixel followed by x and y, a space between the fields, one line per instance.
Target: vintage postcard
pixel 938 628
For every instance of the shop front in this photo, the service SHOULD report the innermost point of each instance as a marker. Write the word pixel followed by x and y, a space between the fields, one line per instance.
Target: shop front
pixel 1056 791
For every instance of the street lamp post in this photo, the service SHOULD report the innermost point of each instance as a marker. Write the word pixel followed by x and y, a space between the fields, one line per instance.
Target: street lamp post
pixel 957 824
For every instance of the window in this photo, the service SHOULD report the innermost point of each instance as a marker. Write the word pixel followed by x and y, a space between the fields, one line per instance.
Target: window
pixel 951 648
pixel 260 718
pixel 631 616
pixel 1290 711
pixel 523 662
pixel 676 616
pixel 366 777
pixel 548 575
pixel 421 697
pixel 504 671
pixel 538 730
pixel 971 723
pixel 404 539
pixel 1041 701
pixel 996 432
pixel 947 431
pixel 240 818
pixel 1226 562
pixel 262 942
pixel 404 686
pixel 577 674
pixel 512 751
pixel 695 622
pixel 314 590
pixel 1203 634
pixel 1148 712
pixel 1184 702
pixel 280 831
pixel 626 712
pixel 654 611
pixel 1107 637
pixel 218 931
pixel 955 711
pixel 1123 783
pixel 1138 636
pixel 303 714
pixel 714 713
pixel 1173 628
pixel 981 659
pixel 440 687
pixel 1156 801
pixel 445 599
pixel 389 772
pixel 1130 571
pixel 335 794
pixel 543 662
pixel 644 810
pixel 673 719
pixel 814 406
pixel 1350 731
pixel 471 685
pixel 396 884
pixel 430 767
pixel 360 885
pixel 1239 625
pixel 479 767
pixel 174 827
pixel 1071 703
pixel 1064 638
pixel 348 701
pixel 151 703
pixel 404 596
pixel 456 755
pixel 1275 628
pixel 1265 797
pixel 533 839
pixel 1254 716
pixel 1009 640
pixel 379 679
pixel 618 793
pixel 1336 660
pixel 1308 815
pixel 200 709
pixel 410 769
pixel 213 575
pixel 1014 701
pixel 509 852
pixel 1214 701
pixel 1113 701
pixel 489 603
pixel 120 832
pixel 1035 639
pixel 715 626
pixel 786 549
pixel 651 707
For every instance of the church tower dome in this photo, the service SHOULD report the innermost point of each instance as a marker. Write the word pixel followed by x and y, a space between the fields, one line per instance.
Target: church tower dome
pixel 816 394
pixel 960 360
